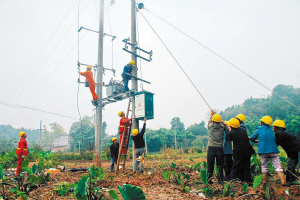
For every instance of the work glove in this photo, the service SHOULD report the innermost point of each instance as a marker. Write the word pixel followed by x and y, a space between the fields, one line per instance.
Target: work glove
pixel 23 156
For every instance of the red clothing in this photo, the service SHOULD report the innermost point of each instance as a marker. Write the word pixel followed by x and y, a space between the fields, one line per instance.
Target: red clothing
pixel 22 147
pixel 124 122
pixel 19 164
pixel 92 88
pixel 89 78
pixel 21 151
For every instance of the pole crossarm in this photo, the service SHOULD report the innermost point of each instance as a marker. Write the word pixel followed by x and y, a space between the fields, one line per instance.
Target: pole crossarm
pixel 96 66
pixel 104 34
pixel 115 98
pixel 136 48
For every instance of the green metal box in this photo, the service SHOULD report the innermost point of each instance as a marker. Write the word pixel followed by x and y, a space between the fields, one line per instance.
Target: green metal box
pixel 144 105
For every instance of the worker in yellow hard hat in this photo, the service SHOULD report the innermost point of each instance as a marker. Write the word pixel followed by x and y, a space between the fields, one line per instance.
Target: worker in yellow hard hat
pixel 90 80
pixel 215 146
pixel 124 124
pixel 227 151
pixel 242 118
pixel 139 143
pixel 242 151
pixel 291 144
pixel 21 151
pixel 267 148
pixel 126 74
pixel 114 152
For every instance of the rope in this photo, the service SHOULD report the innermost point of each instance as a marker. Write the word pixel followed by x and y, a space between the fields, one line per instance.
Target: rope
pixel 225 60
pixel 177 62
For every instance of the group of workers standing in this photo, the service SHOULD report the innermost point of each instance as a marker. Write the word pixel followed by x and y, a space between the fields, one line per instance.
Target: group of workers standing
pixel 127 70
pixel 268 135
pixel 136 136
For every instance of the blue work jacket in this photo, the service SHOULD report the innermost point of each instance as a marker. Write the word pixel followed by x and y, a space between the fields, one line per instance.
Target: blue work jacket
pixel 127 70
pixel 266 139
pixel 227 144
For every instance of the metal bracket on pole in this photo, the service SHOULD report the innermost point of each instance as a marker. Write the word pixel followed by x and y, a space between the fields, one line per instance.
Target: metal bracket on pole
pixel 104 34
pixel 137 48
pixel 137 78
pixel 95 66
pixel 113 37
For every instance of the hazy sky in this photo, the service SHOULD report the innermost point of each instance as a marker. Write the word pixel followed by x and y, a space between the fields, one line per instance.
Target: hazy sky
pixel 260 37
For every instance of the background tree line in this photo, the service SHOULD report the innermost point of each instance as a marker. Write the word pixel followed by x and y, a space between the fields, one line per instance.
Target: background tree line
pixel 196 135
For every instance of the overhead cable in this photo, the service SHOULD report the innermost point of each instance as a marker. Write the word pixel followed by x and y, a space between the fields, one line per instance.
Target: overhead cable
pixel 27 71
pixel 51 52
pixel 26 107
pixel 176 61
pixel 226 60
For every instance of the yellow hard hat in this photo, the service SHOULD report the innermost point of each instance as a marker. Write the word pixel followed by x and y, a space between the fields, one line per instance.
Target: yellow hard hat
pixel 234 123
pixel 216 118
pixel 135 132
pixel 21 133
pixel 267 119
pixel 132 62
pixel 114 138
pixel 279 123
pixel 226 122
pixel 120 113
pixel 241 117
pixel 89 67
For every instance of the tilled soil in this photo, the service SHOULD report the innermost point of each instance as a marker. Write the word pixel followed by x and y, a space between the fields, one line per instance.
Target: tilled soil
pixel 155 186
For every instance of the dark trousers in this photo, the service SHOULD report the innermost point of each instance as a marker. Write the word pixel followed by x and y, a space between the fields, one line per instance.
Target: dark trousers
pixel 291 165
pixel 241 164
pixel 215 153
pixel 227 165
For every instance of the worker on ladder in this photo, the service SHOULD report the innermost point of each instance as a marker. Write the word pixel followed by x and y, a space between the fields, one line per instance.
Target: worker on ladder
pixel 90 80
pixel 124 123
pixel 21 151
pixel 127 70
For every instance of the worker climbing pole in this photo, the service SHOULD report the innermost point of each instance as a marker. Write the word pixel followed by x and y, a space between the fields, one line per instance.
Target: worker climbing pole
pixel 90 81
pixel 126 71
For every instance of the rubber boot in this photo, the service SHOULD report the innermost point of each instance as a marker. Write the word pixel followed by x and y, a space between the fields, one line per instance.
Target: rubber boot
pixel 282 179
pixel 265 177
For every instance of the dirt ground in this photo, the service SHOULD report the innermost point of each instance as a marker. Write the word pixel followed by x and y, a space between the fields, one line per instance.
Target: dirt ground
pixel 154 185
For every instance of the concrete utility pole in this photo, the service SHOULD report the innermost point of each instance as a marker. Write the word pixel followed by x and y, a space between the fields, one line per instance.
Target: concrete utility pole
pixel 134 69
pixel 40 143
pixel 98 128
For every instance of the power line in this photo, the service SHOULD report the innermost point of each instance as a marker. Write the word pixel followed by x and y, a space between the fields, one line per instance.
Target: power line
pixel 51 52
pixel 41 52
pixel 225 60
pixel 175 60
pixel 26 107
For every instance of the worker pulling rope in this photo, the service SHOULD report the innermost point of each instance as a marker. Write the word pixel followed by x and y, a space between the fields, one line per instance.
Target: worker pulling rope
pixel 224 59
pixel 176 61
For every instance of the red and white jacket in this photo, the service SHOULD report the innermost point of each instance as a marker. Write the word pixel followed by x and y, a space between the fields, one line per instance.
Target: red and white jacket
pixel 124 122
pixel 22 147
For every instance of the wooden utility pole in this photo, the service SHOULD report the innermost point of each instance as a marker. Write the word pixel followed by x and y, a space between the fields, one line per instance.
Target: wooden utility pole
pixel 98 127
pixel 134 70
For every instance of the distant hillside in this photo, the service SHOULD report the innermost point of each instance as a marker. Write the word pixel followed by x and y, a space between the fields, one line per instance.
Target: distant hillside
pixel 255 108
